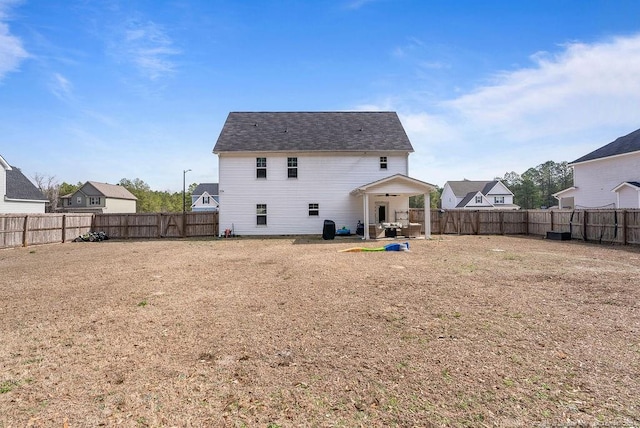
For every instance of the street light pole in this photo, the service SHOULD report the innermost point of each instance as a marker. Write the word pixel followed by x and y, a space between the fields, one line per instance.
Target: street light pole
pixel 184 201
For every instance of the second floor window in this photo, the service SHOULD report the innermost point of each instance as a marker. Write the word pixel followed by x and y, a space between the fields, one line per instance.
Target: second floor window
pixel 498 199
pixel 478 199
pixel 261 167
pixel 79 200
pixel 292 167
pixel 383 162
pixel 94 200
pixel 205 199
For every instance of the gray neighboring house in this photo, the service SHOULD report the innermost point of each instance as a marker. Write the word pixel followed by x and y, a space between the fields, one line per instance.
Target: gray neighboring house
pixel 94 197
pixel 205 197
pixel 19 194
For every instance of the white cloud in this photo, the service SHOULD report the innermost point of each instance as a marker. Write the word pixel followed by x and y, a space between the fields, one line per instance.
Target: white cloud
pixel 563 106
pixel 11 50
pixel 149 48
pixel 61 87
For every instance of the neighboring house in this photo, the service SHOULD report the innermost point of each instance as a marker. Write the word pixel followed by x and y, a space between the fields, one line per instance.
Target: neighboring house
pixel 608 177
pixel 285 173
pixel 94 197
pixel 205 197
pixel 476 195
pixel 19 195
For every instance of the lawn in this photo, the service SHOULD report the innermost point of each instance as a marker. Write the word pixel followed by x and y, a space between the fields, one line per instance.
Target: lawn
pixel 459 331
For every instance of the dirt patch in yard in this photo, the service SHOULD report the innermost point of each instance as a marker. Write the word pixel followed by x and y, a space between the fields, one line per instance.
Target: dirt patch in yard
pixel 459 331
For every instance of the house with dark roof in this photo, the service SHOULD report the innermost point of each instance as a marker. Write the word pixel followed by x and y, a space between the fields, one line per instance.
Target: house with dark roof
pixel 95 197
pixel 288 173
pixel 19 194
pixel 608 177
pixel 205 197
pixel 477 195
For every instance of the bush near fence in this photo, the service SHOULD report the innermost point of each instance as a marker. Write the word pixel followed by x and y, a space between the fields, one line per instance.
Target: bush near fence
pixel 605 226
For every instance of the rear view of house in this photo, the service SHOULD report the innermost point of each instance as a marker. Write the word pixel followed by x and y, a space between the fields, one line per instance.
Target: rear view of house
pixel 285 173
pixel 94 197
pixel 19 195
pixel 468 194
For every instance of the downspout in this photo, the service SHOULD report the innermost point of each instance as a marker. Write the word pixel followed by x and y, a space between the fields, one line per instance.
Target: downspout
pixel 427 216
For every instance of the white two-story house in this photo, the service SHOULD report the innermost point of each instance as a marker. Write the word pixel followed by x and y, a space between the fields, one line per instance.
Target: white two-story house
pixel 205 197
pixel 476 195
pixel 285 173
pixel 608 177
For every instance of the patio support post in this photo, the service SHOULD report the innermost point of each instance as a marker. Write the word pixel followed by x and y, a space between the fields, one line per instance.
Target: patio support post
pixel 365 220
pixel 427 216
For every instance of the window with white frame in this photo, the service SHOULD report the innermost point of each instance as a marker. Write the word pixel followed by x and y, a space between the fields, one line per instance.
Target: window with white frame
pixel 478 199
pixel 261 214
pixel 314 210
pixel 94 200
pixel 205 200
pixel 292 167
pixel 383 162
pixel 498 199
pixel 261 167
pixel 78 200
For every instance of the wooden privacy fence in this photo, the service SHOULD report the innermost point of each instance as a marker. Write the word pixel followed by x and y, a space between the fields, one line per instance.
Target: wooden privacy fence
pixel 605 226
pixel 157 225
pixel 21 230
pixel 30 229
pixel 601 225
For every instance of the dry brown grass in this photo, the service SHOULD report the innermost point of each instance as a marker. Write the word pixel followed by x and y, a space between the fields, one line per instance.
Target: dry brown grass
pixel 460 331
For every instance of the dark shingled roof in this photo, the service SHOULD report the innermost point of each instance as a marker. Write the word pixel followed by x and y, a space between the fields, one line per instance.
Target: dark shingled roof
pixel 312 131
pixel 210 188
pixel 627 144
pixel 19 186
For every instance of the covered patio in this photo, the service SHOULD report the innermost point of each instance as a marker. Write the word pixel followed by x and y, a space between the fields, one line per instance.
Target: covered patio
pixel 385 202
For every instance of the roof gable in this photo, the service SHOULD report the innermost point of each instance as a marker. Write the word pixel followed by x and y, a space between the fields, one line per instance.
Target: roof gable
pixel 20 187
pixel 626 144
pixel 91 188
pixel 462 188
pixel 202 188
pixel 312 131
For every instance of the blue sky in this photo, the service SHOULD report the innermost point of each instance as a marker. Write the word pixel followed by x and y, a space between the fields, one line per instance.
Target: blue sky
pixel 112 89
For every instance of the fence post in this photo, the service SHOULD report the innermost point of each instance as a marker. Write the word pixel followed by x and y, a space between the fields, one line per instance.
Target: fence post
pixel 25 229
pixel 584 225
pixel 64 228
pixel 624 227
pixel 551 221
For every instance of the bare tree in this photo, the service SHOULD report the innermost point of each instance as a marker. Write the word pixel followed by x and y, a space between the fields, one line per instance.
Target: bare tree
pixel 50 188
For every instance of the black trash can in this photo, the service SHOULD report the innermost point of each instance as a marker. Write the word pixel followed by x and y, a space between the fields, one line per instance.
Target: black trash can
pixel 329 229
pixel 360 229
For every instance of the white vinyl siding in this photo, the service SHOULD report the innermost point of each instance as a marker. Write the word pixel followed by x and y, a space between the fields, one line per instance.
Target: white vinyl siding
pixel 595 180
pixel 324 178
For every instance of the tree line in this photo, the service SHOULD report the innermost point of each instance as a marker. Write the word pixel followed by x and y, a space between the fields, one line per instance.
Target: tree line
pixel 535 187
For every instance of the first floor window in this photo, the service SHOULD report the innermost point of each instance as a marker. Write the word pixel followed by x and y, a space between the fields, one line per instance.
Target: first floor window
pixel 314 209
pixel 383 162
pixel 94 200
pixel 292 167
pixel 498 199
pixel 478 199
pixel 261 167
pixel 261 214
